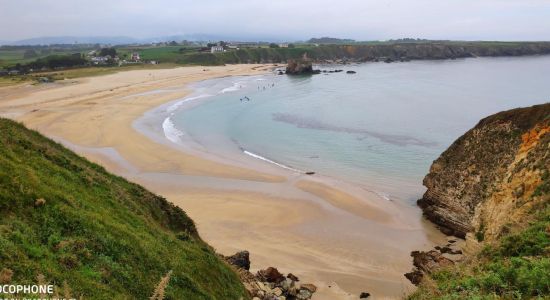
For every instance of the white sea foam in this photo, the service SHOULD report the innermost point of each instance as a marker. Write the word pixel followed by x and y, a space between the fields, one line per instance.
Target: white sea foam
pixel 270 161
pixel 235 87
pixel 383 195
pixel 170 131
pixel 176 105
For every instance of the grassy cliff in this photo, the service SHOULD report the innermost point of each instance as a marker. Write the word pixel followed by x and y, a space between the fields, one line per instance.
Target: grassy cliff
pixel 92 234
pixel 364 52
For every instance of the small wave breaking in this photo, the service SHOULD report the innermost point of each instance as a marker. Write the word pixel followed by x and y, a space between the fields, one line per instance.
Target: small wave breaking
pixel 270 161
pixel 235 87
pixel 170 131
pixel 176 105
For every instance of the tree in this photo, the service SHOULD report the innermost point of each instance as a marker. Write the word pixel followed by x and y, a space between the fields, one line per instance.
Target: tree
pixel 107 51
pixel 291 46
pixel 273 45
pixel 173 43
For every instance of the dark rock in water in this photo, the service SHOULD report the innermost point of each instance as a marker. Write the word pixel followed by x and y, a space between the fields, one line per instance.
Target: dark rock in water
pixel 388 60
pixel 364 295
pixel 240 260
pixel 271 275
pixel 310 173
pixel 280 73
pixel 301 66
pixel 351 72
pixel 292 277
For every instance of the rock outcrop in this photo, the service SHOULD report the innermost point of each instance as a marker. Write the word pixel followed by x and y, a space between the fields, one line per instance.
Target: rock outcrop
pixel 300 66
pixel 487 182
pixel 269 284
pixel 500 162
pixel 240 260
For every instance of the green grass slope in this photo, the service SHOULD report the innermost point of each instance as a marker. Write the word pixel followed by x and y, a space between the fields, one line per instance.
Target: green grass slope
pixel 98 234
pixel 518 267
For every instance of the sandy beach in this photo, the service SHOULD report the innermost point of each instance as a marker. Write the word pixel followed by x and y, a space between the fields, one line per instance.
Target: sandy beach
pixel 344 239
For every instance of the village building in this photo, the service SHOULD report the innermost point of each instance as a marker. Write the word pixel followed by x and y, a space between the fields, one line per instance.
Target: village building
pixel 99 60
pixel 135 56
pixel 216 49
pixel 284 45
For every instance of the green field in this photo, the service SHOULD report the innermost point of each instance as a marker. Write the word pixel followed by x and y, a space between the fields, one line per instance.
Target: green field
pixel 10 57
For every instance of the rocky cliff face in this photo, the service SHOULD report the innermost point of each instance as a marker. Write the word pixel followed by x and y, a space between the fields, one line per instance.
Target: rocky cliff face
pixel 489 183
pixel 491 176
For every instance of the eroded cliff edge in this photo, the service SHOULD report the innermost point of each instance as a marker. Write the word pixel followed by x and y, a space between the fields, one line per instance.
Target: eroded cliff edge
pixel 491 187
pixel 491 175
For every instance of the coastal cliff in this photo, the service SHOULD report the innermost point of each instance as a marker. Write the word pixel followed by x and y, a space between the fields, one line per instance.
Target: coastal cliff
pixel 489 176
pixel 490 187
pixel 387 52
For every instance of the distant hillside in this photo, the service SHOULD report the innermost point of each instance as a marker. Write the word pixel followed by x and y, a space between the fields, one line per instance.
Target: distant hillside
pixel 492 188
pixel 69 222
pixel 330 40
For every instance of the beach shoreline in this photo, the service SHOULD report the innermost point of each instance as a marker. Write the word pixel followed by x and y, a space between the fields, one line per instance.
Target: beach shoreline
pixel 284 218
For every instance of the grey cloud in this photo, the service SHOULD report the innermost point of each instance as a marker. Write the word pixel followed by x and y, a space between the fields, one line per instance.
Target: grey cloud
pixel 283 19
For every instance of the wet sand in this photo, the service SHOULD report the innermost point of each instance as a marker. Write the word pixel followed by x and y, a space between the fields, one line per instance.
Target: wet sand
pixel 342 238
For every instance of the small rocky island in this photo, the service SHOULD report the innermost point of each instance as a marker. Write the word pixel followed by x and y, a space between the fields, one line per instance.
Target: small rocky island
pixel 301 66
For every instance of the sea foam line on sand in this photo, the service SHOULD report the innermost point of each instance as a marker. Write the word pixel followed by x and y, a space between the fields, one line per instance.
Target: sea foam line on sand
pixel 170 131
pixel 270 161
pixel 235 87
pixel 176 105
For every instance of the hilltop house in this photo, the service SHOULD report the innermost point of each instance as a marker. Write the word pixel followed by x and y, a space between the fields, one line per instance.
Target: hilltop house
pixel 216 49
pixel 285 45
pixel 99 60
pixel 135 56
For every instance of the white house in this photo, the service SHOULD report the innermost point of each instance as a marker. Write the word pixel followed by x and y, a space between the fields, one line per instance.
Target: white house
pixel 285 45
pixel 216 49
pixel 135 56
pixel 98 60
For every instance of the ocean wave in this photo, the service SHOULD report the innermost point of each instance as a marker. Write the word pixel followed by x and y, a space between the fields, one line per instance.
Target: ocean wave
pixel 170 131
pixel 176 105
pixel 270 161
pixel 235 87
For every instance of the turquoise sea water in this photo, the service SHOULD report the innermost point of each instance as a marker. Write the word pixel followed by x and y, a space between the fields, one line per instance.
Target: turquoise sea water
pixel 380 128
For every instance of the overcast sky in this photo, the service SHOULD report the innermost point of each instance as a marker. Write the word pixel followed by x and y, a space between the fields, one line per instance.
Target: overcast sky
pixel 279 19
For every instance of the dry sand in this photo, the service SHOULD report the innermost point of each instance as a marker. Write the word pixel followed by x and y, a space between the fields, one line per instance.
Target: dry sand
pixel 344 242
